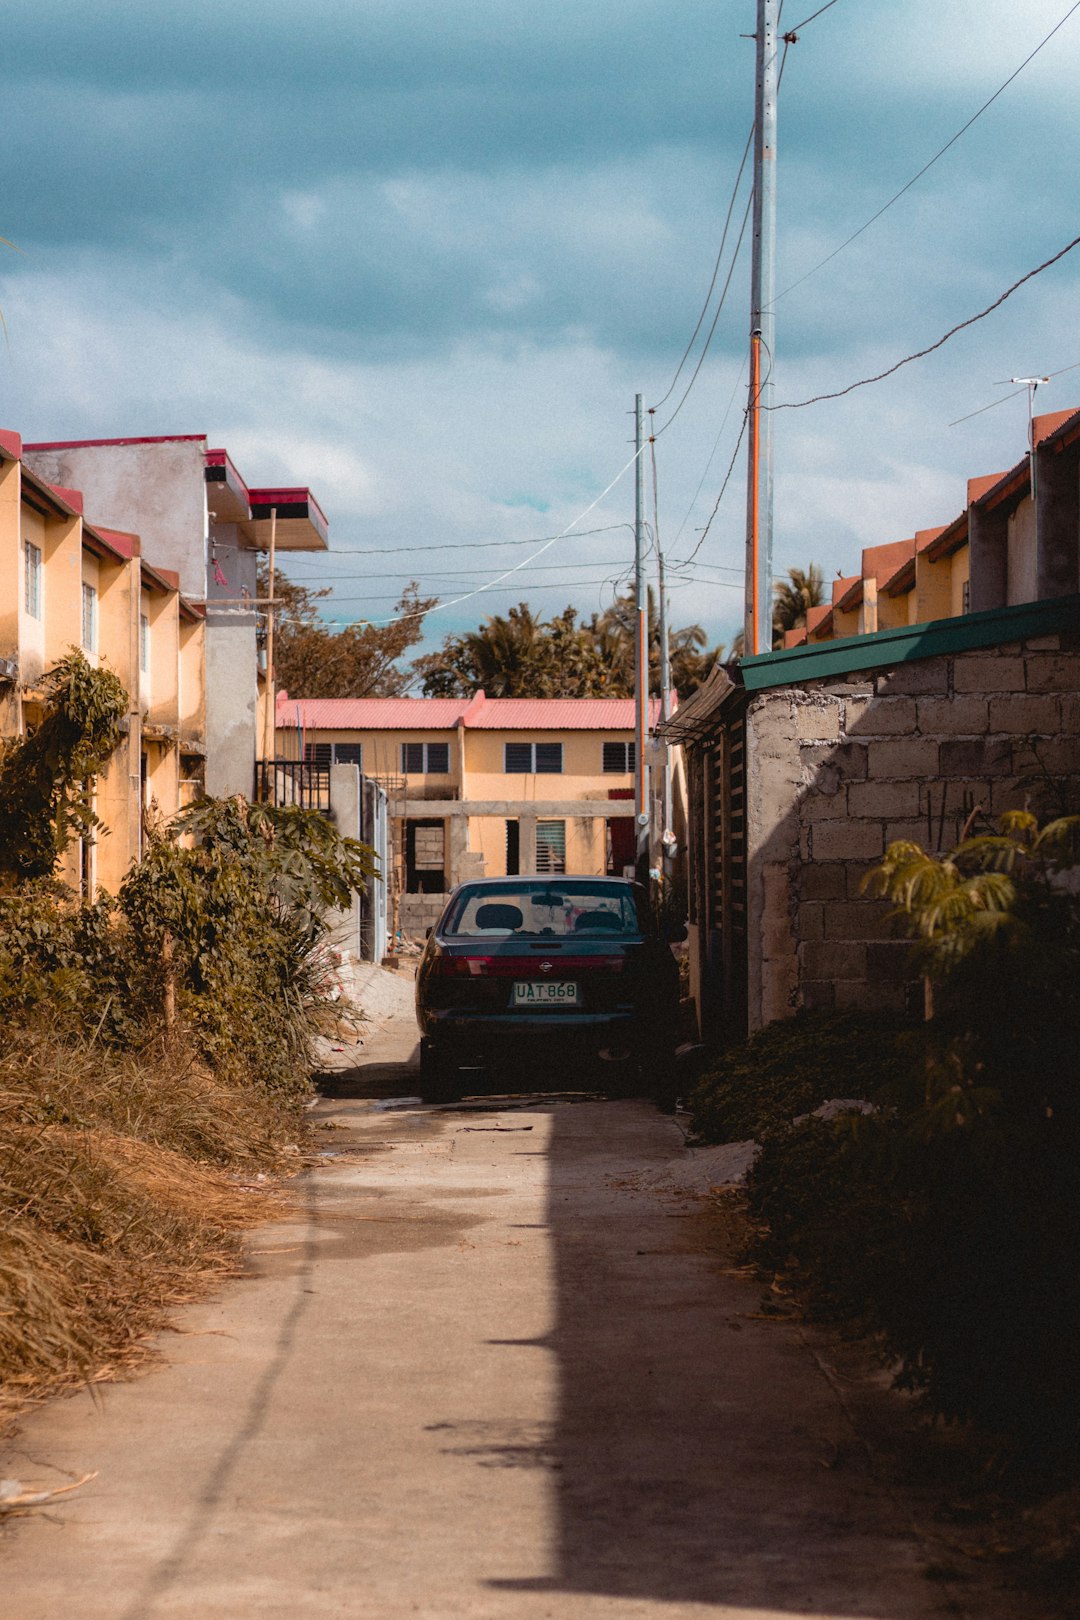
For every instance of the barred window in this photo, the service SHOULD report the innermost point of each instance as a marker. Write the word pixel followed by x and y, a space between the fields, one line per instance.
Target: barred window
pixel 550 846
pixel 349 754
pixel 429 758
pixel 618 757
pixel 545 759
pixel 316 753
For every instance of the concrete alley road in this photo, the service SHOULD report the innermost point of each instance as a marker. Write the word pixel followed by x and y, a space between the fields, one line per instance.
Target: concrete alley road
pixel 488 1370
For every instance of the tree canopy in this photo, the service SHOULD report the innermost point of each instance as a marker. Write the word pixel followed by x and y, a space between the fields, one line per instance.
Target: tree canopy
pixel 521 655
pixel 314 660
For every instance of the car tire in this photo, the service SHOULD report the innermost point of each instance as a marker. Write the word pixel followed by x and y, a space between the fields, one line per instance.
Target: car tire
pixel 438 1076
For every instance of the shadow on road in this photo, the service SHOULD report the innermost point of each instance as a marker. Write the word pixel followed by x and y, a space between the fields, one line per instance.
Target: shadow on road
pixel 693 1457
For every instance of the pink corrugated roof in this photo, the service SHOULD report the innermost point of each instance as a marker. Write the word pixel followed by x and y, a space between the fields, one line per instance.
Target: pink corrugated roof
pixel 371 714
pixel 443 714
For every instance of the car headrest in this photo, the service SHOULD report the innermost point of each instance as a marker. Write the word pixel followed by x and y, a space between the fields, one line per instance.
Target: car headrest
pixel 597 922
pixel 499 917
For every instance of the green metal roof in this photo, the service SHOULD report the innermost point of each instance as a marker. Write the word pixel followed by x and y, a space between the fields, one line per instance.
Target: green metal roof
pixel 883 648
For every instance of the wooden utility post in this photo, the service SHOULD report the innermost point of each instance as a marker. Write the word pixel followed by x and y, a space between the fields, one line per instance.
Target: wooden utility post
pixel 270 723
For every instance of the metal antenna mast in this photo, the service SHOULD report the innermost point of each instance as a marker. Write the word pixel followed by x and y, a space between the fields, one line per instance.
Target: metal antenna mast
pixel 757 620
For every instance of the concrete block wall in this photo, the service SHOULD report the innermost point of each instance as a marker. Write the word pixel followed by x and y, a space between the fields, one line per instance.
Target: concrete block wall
pixel 841 768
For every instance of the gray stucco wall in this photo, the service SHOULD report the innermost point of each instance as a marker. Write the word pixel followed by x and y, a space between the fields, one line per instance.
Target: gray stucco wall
pixel 231 703
pixel 838 769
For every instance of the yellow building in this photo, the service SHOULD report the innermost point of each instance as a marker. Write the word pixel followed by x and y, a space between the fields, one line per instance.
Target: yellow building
pixel 485 786
pixel 1015 541
pixel 66 583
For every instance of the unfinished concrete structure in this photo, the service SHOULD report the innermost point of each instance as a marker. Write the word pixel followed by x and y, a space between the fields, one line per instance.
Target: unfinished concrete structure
pixel 804 764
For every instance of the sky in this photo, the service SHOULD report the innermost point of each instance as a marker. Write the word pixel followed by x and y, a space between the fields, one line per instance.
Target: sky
pixel 420 255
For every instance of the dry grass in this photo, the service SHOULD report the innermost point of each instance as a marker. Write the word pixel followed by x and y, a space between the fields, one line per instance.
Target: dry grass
pixel 124 1188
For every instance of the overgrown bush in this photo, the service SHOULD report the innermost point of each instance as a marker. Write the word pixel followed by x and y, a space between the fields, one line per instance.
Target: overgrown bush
pixel 791 1067
pixel 152 1044
pixel 948 1223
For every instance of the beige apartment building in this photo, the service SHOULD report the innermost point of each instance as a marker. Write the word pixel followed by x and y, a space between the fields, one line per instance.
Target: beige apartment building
pixel 1015 541
pixel 485 786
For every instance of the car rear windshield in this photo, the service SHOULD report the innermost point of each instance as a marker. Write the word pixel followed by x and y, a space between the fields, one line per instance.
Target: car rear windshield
pixel 576 909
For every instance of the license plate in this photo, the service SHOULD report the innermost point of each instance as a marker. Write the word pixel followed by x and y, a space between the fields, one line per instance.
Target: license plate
pixel 545 993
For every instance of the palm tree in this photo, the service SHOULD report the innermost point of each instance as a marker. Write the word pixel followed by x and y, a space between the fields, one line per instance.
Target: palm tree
pixel 793 598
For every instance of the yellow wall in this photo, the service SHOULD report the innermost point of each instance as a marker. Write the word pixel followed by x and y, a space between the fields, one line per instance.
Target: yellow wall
pixel 959 575
pixel 582 775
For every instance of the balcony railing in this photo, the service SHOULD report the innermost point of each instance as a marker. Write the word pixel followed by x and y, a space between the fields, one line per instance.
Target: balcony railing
pixel 292 781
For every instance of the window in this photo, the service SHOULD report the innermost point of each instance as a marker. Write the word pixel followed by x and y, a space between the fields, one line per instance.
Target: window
pixel 550 846
pixel 432 758
pixel 965 598
pixel 545 759
pixel 144 643
pixel 32 581
pixel 618 758
pixel 318 753
pixel 324 753
pixel 349 754
pixel 89 617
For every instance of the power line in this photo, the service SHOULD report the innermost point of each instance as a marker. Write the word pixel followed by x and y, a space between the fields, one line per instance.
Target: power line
pixel 456 545
pixel 716 272
pixel 455 601
pixel 716 317
pixel 723 487
pixel 864 382
pixel 952 142
pixel 454 573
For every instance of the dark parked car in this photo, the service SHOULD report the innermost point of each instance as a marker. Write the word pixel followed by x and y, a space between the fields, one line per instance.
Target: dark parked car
pixel 522 972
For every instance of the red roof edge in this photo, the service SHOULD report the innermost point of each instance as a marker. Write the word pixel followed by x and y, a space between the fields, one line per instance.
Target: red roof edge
pixel 121 540
pixel 70 497
pixel 94 444
pixel 476 703
pixel 11 444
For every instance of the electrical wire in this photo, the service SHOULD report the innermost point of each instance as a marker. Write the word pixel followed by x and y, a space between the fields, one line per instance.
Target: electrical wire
pixel 739 375
pixel 455 601
pixel 920 354
pixel 813 18
pixel 715 319
pixel 456 545
pixel 716 272
pixel 454 573
pixel 723 488
pixel 926 166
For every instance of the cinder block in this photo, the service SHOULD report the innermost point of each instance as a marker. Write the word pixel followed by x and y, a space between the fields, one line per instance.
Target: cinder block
pixel 870 997
pixel 888 961
pixel 818 993
pixel 1050 672
pixel 811 920
pixel 886 799
pixel 857 919
pixel 907 832
pixel 847 759
pixel 818 720
pixel 977 756
pixel 901 757
pixel 886 717
pixel 963 716
pixel 826 797
pixel 833 959
pixel 847 840
pixel 822 882
pixel 1043 644
pixel 977 672
pixel 1020 714
pixel 1070 714
pixel 925 675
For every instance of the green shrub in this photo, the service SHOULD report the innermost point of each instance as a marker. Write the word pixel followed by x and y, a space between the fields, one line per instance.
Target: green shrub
pixel 791 1067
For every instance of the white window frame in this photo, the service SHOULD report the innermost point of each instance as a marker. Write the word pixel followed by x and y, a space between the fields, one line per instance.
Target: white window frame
pixel 89 616
pixel 144 643
pixel 32 578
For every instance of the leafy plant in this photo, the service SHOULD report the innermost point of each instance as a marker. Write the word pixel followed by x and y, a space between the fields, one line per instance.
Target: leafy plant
pixel 45 799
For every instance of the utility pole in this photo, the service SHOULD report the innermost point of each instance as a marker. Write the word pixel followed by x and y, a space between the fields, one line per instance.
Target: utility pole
pixel 1032 384
pixel 665 687
pixel 757 619
pixel 641 658
pixel 270 718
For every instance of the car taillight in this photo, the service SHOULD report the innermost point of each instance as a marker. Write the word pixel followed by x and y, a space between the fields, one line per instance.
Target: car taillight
pixel 524 967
